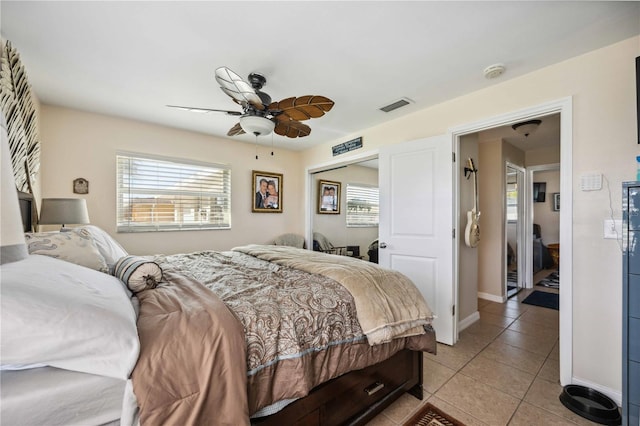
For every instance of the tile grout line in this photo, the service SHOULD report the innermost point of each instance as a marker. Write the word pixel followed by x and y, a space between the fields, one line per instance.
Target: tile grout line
pixel 531 384
pixel 483 348
pixel 520 400
pixel 459 371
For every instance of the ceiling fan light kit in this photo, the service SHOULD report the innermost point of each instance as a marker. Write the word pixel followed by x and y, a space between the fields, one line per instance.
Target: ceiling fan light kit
pixel 526 127
pixel 256 125
pixel 260 116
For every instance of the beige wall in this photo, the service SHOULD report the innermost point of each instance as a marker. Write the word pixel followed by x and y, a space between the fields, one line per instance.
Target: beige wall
pixel 543 213
pixel 333 226
pixel 512 155
pixel 491 256
pixel 604 140
pixel 80 144
pixel 467 257
pixel 536 157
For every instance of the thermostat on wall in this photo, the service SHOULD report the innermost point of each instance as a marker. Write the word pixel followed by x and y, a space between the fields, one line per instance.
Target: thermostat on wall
pixel 591 182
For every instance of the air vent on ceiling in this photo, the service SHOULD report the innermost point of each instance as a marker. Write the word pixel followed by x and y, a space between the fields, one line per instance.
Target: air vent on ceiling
pixel 395 105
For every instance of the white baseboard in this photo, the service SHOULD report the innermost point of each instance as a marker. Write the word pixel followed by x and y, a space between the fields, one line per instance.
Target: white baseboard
pixel 611 393
pixel 468 321
pixel 492 297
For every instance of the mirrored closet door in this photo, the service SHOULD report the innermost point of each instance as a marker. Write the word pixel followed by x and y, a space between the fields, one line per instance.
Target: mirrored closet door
pixel 345 208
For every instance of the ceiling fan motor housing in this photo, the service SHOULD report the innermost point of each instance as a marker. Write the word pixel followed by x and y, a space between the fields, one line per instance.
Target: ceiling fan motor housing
pixel 258 81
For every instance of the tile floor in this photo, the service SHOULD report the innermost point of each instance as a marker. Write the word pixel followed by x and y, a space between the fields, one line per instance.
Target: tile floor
pixel 503 371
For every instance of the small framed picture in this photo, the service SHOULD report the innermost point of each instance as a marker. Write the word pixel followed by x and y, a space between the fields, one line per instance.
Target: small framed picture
pixel 556 201
pixel 539 190
pixel 267 192
pixel 80 186
pixel 328 197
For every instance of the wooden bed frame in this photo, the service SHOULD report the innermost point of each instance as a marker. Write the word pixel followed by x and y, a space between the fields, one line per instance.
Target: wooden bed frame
pixel 351 399
pixel 356 397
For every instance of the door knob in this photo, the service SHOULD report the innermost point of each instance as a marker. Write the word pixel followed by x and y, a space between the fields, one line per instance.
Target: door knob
pixel 383 245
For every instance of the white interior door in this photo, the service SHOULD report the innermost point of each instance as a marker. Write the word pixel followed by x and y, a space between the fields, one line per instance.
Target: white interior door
pixel 416 222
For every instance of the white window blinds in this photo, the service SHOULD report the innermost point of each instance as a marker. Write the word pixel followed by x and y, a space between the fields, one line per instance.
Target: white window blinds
pixel 164 194
pixel 362 205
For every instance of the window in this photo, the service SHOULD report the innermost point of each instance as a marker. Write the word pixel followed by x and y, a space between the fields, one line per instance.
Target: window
pixel 362 205
pixel 164 194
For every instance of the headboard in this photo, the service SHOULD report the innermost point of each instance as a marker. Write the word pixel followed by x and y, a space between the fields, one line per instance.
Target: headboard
pixel 26 208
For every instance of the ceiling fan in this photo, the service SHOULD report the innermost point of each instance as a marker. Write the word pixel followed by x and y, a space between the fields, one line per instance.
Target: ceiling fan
pixel 259 115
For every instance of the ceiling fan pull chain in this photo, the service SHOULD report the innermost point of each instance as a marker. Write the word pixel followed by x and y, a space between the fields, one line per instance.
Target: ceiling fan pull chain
pixel 272 144
pixel 256 146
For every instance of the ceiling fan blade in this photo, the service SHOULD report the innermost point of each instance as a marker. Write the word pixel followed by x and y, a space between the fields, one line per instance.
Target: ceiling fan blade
pixel 304 107
pixel 236 130
pixel 233 85
pixel 204 110
pixel 292 129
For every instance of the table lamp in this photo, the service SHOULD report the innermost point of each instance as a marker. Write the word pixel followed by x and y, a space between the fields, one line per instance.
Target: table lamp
pixel 61 211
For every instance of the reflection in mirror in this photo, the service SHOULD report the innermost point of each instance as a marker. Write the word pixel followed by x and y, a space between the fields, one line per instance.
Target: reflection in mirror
pixel 353 231
pixel 513 203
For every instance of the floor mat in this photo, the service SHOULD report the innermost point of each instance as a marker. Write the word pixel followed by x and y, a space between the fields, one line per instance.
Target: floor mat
pixel 432 416
pixel 543 299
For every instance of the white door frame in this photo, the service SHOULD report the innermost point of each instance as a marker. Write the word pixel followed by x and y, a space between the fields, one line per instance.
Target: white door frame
pixel 564 106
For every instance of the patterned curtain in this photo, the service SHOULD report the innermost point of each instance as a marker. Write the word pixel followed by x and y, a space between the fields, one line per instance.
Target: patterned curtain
pixel 22 121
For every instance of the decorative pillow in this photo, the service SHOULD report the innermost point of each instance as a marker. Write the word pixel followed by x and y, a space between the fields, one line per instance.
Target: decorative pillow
pixel 138 273
pixel 63 315
pixel 107 246
pixel 69 246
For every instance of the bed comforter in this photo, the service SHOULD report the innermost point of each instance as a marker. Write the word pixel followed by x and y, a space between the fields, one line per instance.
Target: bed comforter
pixel 229 334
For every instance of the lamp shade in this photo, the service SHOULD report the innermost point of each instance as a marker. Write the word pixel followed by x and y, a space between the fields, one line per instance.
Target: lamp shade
pixel 256 125
pixel 61 211
pixel 12 245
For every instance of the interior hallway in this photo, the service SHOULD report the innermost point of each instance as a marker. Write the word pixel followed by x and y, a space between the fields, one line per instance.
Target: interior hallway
pixel 503 370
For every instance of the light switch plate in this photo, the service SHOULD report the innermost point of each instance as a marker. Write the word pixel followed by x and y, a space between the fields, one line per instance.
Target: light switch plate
pixel 612 229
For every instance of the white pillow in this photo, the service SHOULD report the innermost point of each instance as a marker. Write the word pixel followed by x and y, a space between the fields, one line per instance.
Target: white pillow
pixel 59 314
pixel 107 246
pixel 69 246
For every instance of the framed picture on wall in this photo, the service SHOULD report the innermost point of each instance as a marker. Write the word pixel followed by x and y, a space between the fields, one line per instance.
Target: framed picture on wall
pixel 328 197
pixel 267 192
pixel 556 201
pixel 539 191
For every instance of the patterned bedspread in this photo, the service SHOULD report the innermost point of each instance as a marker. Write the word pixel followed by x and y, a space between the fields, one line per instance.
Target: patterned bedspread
pixel 285 312
pixel 300 329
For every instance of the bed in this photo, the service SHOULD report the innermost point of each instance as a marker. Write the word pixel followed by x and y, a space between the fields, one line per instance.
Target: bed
pixel 207 355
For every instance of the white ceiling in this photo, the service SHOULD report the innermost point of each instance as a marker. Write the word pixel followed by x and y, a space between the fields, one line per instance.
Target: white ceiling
pixel 130 59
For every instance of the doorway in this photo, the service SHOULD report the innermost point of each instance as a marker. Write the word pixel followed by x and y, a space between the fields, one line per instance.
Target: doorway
pixel 563 109
pixel 545 224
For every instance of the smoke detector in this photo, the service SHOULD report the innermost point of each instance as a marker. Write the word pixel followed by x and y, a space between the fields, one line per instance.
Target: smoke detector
pixel 494 71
